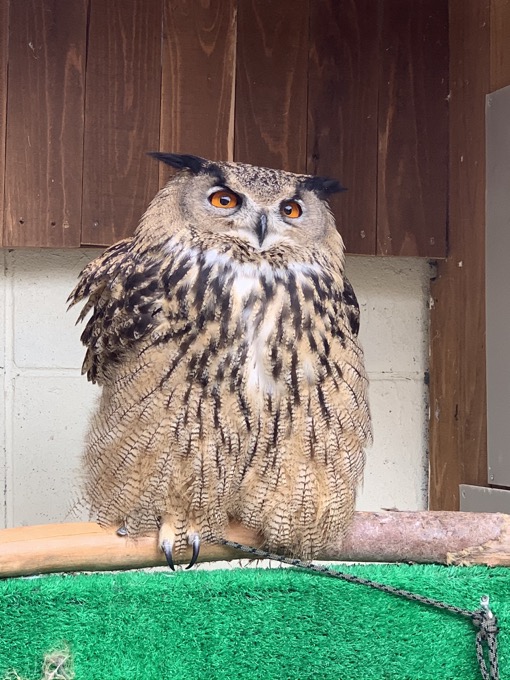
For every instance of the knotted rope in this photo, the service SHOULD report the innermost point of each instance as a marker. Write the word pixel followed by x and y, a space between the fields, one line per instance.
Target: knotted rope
pixel 483 619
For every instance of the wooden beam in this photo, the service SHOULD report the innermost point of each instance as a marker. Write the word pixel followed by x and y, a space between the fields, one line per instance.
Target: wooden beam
pixel 459 538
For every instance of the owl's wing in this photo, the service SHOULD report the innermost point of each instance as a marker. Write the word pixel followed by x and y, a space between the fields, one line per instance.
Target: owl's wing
pixel 351 307
pixel 354 374
pixel 123 290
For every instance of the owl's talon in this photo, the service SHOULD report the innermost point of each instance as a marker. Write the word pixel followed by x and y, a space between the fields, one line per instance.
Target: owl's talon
pixel 122 531
pixel 194 539
pixel 167 548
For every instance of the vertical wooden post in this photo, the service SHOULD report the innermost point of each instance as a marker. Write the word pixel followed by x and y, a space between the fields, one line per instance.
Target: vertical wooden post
pixel 458 439
pixel 479 64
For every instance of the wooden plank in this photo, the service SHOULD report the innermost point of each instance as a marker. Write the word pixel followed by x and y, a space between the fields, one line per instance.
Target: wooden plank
pixel 413 129
pixel 121 116
pixel 343 75
pixel 271 90
pixel 197 86
pixel 458 436
pixel 500 37
pixel 4 45
pixel 44 146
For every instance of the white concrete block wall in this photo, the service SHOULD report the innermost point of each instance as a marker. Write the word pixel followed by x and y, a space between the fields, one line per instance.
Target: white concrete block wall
pixel 47 403
pixel 393 294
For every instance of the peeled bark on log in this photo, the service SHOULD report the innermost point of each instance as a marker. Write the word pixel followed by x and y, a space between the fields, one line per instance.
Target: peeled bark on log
pixel 454 538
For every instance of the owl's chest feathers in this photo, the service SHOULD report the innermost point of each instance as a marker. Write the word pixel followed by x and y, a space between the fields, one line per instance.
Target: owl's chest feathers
pixel 263 330
pixel 257 316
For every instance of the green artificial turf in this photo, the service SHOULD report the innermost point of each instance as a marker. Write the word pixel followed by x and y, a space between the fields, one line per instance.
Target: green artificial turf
pixel 250 624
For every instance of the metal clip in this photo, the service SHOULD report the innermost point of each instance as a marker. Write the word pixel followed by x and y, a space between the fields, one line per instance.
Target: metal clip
pixel 484 603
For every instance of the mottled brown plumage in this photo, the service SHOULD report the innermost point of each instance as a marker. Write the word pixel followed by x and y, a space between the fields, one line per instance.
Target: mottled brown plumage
pixel 225 341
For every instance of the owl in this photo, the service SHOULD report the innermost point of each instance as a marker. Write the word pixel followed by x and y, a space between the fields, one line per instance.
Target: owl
pixel 224 335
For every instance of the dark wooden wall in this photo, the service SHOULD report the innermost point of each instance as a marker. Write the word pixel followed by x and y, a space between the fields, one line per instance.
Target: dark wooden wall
pixel 122 112
pixel 357 90
pixel 479 64
pixel 44 130
pixel 198 79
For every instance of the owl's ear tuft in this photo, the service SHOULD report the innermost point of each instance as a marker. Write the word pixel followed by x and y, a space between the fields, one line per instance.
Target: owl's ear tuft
pixel 181 161
pixel 322 186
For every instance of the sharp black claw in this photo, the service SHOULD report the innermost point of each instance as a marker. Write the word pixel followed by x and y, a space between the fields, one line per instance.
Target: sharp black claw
pixel 166 547
pixel 196 550
pixel 122 531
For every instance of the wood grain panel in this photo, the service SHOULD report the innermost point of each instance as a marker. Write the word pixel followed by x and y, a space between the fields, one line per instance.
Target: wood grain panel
pixel 122 110
pixel 271 89
pixel 343 75
pixel 4 45
pixel 458 437
pixel 413 129
pixel 500 40
pixel 44 147
pixel 197 94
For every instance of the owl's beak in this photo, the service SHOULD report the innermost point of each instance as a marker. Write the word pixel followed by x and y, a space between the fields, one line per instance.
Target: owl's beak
pixel 261 228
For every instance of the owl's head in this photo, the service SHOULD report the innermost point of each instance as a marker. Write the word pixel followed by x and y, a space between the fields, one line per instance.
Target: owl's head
pixel 261 207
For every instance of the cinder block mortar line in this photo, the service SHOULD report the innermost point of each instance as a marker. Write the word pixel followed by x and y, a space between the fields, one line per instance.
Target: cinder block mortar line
pixel 46 371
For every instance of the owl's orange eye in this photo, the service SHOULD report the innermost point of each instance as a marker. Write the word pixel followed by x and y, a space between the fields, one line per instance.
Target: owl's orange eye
pixel 291 209
pixel 224 198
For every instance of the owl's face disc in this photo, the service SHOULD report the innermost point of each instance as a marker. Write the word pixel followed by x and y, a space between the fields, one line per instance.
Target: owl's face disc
pixel 262 208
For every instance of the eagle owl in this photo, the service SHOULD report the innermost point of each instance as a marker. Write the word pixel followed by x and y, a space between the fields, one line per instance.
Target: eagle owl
pixel 224 336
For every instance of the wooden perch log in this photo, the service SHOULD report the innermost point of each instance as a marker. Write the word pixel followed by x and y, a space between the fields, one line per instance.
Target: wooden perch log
pixel 459 538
